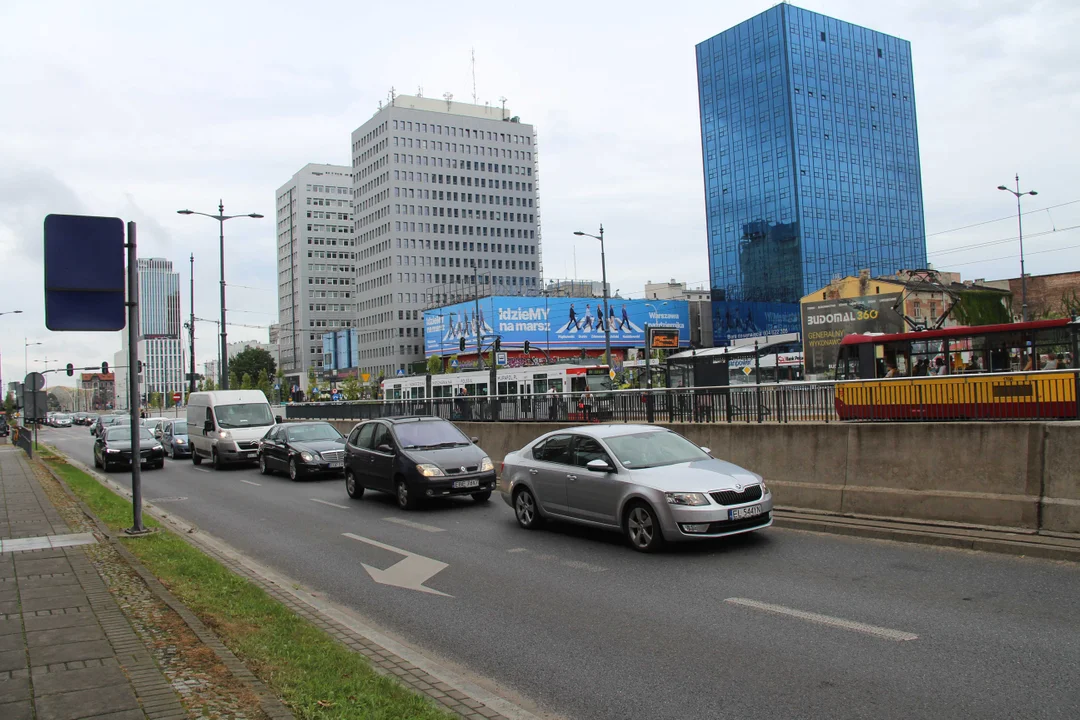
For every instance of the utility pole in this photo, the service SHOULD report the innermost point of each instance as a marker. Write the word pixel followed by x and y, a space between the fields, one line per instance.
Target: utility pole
pixel 191 327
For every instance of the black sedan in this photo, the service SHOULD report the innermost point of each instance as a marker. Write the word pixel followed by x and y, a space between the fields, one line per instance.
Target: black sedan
pixel 113 448
pixel 302 449
pixel 107 421
pixel 416 458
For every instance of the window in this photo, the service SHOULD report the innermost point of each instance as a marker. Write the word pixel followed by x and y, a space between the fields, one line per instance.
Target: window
pixel 588 449
pixel 555 449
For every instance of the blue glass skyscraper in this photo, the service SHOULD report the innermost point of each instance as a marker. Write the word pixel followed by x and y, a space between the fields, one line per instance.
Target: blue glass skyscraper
pixel 811 161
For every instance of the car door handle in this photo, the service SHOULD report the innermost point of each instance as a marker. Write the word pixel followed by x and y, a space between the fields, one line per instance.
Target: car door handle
pixel 571 477
pixel 533 472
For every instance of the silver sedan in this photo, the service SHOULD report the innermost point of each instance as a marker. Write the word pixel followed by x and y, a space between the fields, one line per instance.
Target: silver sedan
pixel 647 482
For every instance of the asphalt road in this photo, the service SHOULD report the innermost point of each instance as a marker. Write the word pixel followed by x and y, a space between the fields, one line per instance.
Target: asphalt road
pixel 776 624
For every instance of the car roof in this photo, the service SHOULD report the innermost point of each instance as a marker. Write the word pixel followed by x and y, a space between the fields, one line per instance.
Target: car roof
pixel 609 431
pixel 399 419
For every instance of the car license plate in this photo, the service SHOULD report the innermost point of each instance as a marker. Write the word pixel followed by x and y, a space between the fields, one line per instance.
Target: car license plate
pixel 337 464
pixel 251 454
pixel 466 483
pixel 744 512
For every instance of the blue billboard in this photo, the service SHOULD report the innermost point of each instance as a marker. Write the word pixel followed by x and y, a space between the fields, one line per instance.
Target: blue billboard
pixel 550 323
pixel 341 350
pixel 734 319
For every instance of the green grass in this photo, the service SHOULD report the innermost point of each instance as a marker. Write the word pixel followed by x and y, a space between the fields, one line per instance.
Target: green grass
pixel 301 663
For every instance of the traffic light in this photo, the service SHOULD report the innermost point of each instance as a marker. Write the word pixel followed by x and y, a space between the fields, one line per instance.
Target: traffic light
pixel 70 369
pixel 104 368
pixel 461 345
pixel 526 348
pixel 140 367
pixel 498 344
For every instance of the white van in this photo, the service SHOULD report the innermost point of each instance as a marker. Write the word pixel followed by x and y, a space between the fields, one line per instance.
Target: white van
pixel 225 426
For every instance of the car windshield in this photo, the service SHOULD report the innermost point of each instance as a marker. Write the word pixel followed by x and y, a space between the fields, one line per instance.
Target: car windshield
pixel 429 434
pixel 244 415
pixel 307 433
pixel 654 449
pixel 123 432
pixel 179 428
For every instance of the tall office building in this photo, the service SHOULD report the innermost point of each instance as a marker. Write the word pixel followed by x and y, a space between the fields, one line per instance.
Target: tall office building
pixel 316 265
pixel 811 160
pixel 445 201
pixel 160 346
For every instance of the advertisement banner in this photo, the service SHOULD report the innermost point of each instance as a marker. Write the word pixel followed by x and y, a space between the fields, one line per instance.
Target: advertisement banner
pixel 735 319
pixel 553 323
pixel 826 322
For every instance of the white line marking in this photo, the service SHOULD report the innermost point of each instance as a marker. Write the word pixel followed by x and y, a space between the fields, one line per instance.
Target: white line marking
pixel 884 633
pixel 517 550
pixel 414 525
pixel 202 470
pixel 324 502
pixel 410 573
pixel 252 483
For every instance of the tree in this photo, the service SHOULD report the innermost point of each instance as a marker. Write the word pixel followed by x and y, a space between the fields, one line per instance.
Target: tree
pixel 279 380
pixel 312 381
pixel 351 388
pixel 264 384
pixel 252 361
pixel 245 382
pixel 435 365
pixel 981 307
pixel 9 404
pixel 234 380
pixel 209 385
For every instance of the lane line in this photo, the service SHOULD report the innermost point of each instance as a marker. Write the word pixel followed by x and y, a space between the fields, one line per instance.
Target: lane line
pixel 202 470
pixel 252 483
pixel 414 525
pixel 884 633
pixel 324 502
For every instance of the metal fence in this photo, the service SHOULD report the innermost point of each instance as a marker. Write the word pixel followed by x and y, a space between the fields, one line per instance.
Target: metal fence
pixel 1047 395
pixel 23 437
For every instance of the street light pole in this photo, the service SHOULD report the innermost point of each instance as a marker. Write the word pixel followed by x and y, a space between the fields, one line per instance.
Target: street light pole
pixel 1020 228
pixel 603 280
pixel 221 217
pixel 191 328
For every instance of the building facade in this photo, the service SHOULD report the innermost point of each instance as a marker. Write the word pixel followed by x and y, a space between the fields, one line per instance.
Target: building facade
pixel 98 391
pixel 445 198
pixel 699 302
pixel 317 265
pixel 811 163
pixel 160 345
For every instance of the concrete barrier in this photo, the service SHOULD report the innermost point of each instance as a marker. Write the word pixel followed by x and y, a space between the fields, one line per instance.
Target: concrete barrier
pixel 1012 475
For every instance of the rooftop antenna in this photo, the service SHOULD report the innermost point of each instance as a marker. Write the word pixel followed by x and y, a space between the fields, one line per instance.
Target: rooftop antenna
pixel 503 101
pixel 392 95
pixel 473 52
pixel 420 91
pixel 448 96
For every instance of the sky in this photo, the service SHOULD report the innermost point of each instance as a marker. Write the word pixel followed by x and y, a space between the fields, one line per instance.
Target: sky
pixel 137 110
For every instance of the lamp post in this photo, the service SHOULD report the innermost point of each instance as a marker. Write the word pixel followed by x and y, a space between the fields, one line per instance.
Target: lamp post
pixel 1020 227
pixel 603 279
pixel 26 362
pixel 3 392
pixel 221 217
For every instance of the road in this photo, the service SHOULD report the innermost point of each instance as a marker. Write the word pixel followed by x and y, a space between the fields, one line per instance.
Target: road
pixel 777 624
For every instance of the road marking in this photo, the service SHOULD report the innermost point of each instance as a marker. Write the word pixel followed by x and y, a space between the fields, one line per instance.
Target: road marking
pixel 324 502
pixel 517 550
pixel 884 633
pixel 414 525
pixel 202 470
pixel 410 573
pixel 252 483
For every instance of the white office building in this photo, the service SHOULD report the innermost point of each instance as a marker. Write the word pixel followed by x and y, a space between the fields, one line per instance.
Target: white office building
pixel 317 262
pixel 445 204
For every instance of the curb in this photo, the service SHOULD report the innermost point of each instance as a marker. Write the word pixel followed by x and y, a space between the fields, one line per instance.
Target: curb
pixel 269 703
pixel 1002 543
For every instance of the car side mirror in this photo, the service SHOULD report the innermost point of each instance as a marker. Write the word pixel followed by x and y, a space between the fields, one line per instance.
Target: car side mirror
pixel 277 419
pixel 384 448
pixel 475 440
pixel 706 450
pixel 208 426
pixel 598 465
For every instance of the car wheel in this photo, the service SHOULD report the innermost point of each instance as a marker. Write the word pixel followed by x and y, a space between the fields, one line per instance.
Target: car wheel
pixel 196 458
pixel 525 509
pixel 642 528
pixel 294 472
pixel 264 469
pixel 355 489
pixel 215 460
pixel 482 497
pixel 405 498
pixel 161 464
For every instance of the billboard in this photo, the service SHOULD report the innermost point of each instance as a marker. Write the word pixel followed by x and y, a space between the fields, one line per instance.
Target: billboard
pixel 550 323
pixel 826 322
pixel 735 319
pixel 341 349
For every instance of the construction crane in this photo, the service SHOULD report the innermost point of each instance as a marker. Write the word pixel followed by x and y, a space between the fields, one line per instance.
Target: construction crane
pixel 232 324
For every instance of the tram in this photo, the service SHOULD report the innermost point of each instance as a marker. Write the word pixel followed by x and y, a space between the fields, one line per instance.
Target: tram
pixel 1010 371
pixel 531 380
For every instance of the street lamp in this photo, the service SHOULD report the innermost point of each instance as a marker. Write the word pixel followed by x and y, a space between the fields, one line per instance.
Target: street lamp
pixel 26 362
pixel 603 279
pixel 221 217
pixel 1020 226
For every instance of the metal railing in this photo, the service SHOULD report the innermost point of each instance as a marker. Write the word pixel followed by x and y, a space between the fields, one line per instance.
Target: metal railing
pixel 23 437
pixel 1045 395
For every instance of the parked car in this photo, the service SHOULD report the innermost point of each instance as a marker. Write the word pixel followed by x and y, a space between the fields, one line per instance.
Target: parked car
pixel 649 483
pixel 416 458
pixel 113 448
pixel 226 425
pixel 108 421
pixel 302 449
pixel 173 436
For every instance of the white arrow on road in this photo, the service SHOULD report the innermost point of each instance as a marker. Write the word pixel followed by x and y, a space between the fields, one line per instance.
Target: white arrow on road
pixel 410 573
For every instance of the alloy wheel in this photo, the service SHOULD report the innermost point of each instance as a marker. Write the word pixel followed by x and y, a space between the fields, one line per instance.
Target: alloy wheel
pixel 640 528
pixel 525 508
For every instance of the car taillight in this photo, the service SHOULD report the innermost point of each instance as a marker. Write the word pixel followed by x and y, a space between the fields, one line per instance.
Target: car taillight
pixel 502 466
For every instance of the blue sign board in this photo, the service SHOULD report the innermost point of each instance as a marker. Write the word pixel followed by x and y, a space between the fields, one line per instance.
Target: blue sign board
pixel 84 273
pixel 551 323
pixel 734 319
pixel 341 349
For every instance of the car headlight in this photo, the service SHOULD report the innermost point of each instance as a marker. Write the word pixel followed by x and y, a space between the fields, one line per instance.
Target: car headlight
pixel 224 434
pixel 111 450
pixel 180 441
pixel 429 470
pixel 686 498
pixel 307 457
pixel 486 465
pixel 764 489
pixel 157 447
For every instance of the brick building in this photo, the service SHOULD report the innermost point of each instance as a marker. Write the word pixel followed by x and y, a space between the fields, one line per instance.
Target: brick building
pixel 1054 295
pixel 100 389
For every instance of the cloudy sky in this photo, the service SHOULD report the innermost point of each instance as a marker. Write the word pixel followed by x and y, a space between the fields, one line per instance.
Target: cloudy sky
pixel 135 110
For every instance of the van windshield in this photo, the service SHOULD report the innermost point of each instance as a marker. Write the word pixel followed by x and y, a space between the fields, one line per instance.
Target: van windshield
pixel 244 415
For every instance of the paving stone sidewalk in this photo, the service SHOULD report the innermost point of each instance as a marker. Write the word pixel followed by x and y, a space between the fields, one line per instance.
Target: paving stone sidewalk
pixel 66 649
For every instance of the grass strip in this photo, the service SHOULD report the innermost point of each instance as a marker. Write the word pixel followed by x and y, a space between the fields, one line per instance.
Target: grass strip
pixel 312 673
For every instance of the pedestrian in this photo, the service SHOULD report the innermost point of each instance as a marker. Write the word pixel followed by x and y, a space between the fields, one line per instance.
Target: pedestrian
pixel 587 404
pixel 553 404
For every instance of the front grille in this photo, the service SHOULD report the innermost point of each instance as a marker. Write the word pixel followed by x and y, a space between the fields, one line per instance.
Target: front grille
pixel 247 444
pixel 333 455
pixel 730 497
pixel 459 469
pixel 727 526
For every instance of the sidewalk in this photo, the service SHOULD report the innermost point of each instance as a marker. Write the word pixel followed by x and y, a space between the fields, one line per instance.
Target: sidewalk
pixel 66 649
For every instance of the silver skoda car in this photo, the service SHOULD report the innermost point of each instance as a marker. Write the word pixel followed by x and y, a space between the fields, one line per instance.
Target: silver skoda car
pixel 647 482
